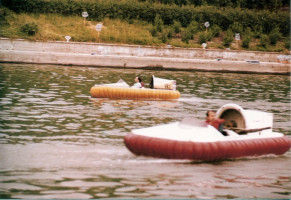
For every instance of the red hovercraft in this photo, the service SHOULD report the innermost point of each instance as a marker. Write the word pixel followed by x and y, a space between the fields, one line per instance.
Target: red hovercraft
pixel 249 133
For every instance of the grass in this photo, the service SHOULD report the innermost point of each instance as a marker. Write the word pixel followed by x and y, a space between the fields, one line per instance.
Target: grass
pixel 118 31
pixel 54 27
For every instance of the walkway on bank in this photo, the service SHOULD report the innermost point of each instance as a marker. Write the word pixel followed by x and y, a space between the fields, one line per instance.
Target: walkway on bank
pixel 134 56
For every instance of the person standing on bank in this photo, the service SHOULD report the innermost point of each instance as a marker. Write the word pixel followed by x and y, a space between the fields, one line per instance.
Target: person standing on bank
pixel 138 83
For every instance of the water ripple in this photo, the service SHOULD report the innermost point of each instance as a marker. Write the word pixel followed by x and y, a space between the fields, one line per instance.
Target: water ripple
pixel 58 142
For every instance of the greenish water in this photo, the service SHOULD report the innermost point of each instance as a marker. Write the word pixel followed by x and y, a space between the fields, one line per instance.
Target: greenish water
pixel 58 142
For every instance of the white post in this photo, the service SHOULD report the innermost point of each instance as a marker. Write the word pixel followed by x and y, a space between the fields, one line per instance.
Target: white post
pixel 98 29
pixel 85 15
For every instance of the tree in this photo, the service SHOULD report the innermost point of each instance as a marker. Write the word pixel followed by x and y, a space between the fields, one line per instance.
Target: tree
pixel 228 38
pixel 159 23
pixel 275 36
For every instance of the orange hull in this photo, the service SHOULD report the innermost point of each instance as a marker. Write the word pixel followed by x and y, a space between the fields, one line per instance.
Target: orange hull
pixel 133 93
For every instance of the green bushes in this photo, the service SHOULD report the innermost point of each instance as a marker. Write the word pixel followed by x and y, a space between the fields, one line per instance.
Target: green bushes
pixel 29 29
pixel 168 22
pixel 287 43
pixel 246 42
pixel 132 9
pixel 4 14
pixel 236 27
pixel 158 23
pixel 275 36
pixel 188 32
pixel 228 38
pixel 205 37
pixel 186 36
pixel 271 5
pixel 216 30
pixel 246 38
pixel 177 26
pixel 263 40
pixel 153 31
pixel 193 28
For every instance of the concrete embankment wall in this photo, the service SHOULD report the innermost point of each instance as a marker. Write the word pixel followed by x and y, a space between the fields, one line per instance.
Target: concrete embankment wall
pixel 134 56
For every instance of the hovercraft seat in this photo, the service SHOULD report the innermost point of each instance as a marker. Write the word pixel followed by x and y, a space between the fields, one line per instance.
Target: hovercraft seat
pixel 244 121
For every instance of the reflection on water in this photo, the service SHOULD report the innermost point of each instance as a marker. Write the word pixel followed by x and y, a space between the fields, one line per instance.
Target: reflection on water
pixel 58 142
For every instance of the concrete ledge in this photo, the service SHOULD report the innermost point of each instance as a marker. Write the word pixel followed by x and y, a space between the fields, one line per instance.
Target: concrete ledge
pixel 91 54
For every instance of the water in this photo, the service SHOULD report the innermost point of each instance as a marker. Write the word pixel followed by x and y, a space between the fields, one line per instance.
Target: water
pixel 58 142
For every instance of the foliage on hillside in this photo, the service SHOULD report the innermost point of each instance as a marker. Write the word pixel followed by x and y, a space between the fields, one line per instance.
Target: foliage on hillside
pixel 161 23
pixel 249 4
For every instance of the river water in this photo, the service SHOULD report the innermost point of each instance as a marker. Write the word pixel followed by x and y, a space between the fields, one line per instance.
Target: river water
pixel 58 142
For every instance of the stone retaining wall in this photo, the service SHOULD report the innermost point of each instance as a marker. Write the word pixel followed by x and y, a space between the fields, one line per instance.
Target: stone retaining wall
pixel 134 56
